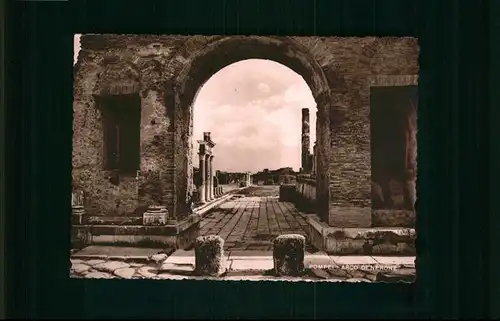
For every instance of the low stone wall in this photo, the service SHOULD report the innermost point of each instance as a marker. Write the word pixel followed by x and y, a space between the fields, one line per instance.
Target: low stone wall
pixel 306 193
pixel 178 234
pixel 360 241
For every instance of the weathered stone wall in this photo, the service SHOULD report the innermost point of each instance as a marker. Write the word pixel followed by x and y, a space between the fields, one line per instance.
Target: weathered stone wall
pixel 361 62
pixel 113 65
pixel 101 196
pixel 169 70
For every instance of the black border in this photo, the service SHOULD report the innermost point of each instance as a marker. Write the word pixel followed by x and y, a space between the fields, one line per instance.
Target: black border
pixel 493 287
pixel 2 162
pixel 453 200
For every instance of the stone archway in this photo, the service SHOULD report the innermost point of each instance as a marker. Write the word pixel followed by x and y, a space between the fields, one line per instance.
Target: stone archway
pixel 162 75
pixel 219 53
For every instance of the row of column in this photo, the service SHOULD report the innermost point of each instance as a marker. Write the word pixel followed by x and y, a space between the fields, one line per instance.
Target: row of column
pixel 248 179
pixel 206 189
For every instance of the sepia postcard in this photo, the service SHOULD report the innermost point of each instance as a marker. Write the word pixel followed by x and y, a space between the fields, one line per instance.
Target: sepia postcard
pixel 258 158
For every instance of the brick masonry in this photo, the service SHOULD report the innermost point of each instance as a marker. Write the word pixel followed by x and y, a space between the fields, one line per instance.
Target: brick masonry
pixel 167 72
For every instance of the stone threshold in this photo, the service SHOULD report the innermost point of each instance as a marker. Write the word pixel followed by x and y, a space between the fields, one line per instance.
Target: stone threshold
pixel 396 241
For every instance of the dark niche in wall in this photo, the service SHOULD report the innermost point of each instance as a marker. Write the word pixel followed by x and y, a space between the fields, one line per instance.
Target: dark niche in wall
pixel 121 122
pixel 393 118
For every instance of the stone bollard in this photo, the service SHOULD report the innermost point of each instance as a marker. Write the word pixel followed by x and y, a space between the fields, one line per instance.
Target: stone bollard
pixel 209 255
pixel 288 254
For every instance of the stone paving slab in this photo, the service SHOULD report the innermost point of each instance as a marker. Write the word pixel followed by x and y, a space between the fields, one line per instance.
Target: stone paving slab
pixel 249 255
pixel 318 259
pixel 110 266
pixel 125 273
pixel 259 264
pixel 402 260
pixel 344 260
pixel 181 257
pixel 174 267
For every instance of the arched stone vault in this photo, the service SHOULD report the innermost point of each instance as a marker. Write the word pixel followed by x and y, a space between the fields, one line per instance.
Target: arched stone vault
pixel 219 53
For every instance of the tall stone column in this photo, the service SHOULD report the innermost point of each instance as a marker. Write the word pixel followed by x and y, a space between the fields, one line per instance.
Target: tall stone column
pixel 306 142
pixel 203 182
pixel 314 156
pixel 210 160
pixel 207 178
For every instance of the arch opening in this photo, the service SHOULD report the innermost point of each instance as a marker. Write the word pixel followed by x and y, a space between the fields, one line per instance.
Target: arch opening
pixel 223 53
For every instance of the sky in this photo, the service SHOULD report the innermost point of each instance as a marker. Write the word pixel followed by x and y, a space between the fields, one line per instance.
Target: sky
pixel 253 110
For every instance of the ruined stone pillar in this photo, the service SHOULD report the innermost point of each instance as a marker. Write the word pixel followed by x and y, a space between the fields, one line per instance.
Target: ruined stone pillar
pixel 210 160
pixel 306 142
pixel 203 182
pixel 207 178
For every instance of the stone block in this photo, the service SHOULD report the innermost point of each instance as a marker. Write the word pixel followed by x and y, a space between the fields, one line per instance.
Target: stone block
pixel 177 234
pixel 77 214
pixel 288 254
pixel 80 236
pixel 209 255
pixel 155 215
pixel 287 193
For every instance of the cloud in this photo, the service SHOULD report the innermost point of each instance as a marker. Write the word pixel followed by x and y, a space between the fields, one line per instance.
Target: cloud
pixel 264 88
pixel 270 103
pixel 248 80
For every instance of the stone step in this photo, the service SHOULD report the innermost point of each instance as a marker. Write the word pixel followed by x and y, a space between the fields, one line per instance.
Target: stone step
pixel 361 241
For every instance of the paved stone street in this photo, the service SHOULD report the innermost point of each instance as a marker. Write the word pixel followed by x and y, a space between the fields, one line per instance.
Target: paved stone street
pixel 248 222
pixel 252 219
pixel 142 263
